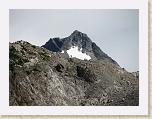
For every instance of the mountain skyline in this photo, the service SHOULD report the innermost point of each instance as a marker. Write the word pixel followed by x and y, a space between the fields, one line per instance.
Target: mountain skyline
pixel 116 32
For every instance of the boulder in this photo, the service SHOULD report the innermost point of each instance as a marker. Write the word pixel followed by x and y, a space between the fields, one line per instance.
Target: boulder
pixel 17 47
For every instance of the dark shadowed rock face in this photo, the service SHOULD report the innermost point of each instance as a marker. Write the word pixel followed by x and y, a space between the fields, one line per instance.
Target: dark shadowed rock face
pixel 100 55
pixel 81 40
pixel 54 45
pixel 39 77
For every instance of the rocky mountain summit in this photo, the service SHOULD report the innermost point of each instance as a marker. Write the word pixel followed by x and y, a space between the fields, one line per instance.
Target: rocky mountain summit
pixel 82 41
pixel 40 77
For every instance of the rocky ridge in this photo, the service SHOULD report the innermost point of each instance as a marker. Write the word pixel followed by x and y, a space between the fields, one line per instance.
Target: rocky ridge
pixel 39 77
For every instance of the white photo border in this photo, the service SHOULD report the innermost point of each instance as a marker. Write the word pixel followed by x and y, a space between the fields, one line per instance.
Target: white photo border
pixel 142 109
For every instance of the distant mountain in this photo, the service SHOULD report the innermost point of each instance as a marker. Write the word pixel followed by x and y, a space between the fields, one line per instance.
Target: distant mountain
pixel 80 41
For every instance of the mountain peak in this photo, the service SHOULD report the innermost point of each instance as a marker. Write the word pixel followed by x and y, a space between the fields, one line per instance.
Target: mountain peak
pixel 78 33
pixel 82 42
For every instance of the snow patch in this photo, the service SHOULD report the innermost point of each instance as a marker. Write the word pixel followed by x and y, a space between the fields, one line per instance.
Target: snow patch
pixel 74 52
pixel 62 51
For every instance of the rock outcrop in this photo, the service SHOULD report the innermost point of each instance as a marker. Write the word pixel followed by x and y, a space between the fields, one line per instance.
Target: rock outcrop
pixel 40 77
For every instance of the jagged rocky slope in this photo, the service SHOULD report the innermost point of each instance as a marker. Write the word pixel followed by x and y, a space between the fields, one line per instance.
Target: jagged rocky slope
pixel 39 77
pixel 82 41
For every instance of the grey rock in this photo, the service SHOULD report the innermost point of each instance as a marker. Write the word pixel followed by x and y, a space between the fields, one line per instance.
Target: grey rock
pixel 52 80
pixel 28 64
pixel 17 47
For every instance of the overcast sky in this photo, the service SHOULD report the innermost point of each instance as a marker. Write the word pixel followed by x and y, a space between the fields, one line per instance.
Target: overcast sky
pixel 116 32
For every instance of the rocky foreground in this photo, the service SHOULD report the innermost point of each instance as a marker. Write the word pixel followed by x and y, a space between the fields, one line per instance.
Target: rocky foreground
pixel 39 77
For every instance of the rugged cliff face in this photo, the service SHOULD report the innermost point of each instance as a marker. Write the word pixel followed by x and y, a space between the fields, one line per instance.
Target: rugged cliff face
pixel 39 77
